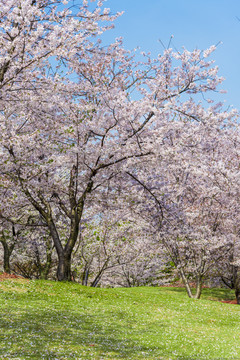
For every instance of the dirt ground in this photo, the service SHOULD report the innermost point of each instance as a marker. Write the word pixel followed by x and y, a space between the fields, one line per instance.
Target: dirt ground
pixel 230 301
pixel 5 276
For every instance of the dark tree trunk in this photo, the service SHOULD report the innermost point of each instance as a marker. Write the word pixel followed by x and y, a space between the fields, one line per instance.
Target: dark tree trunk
pixel 237 294
pixel 8 249
pixel 7 252
pixel 236 280
pixel 85 275
pixel 6 258
pixel 64 267
pixel 64 254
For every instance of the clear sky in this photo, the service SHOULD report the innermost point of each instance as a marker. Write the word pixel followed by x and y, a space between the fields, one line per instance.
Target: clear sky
pixel 193 23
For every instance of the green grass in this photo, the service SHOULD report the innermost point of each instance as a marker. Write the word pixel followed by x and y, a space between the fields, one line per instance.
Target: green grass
pixel 50 320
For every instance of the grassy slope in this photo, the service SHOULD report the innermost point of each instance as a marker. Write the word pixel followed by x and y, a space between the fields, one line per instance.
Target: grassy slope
pixel 49 320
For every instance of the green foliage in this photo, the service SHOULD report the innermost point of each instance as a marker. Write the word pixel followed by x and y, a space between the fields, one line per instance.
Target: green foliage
pixel 51 320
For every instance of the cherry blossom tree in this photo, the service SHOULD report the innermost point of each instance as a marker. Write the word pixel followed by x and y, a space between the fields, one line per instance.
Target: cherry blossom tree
pixel 186 193
pixel 73 126
pixel 34 256
pixel 11 216
pixel 37 37
pixel 33 31
pixel 225 184
pixel 23 234
pixel 102 249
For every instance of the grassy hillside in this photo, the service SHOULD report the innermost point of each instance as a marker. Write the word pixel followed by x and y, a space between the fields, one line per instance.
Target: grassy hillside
pixel 50 320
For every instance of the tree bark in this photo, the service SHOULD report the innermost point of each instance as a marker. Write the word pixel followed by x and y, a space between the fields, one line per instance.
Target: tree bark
pixel 186 283
pixel 7 252
pixel 85 276
pixel 237 294
pixel 236 281
pixel 6 257
pixel 64 267
pixel 198 287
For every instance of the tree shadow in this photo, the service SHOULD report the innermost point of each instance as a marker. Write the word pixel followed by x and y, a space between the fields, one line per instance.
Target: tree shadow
pixel 217 294
pixel 67 335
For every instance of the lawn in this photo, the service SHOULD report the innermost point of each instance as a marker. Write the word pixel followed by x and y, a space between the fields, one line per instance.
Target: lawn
pixel 50 320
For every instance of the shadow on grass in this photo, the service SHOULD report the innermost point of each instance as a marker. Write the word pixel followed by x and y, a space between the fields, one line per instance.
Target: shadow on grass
pixel 54 321
pixel 217 294
pixel 40 334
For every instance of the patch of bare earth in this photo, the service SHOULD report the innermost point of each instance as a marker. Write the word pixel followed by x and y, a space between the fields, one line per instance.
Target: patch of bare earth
pixel 5 276
pixel 230 301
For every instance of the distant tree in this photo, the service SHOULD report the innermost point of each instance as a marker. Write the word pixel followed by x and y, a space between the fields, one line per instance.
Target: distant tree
pixel 186 194
pixel 226 185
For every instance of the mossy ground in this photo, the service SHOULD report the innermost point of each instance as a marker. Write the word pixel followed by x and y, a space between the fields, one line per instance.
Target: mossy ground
pixel 51 320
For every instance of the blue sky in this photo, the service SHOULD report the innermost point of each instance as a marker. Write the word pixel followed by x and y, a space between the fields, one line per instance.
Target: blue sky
pixel 193 23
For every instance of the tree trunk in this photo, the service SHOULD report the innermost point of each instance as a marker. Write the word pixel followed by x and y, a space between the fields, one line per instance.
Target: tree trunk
pixel 85 275
pixel 6 258
pixel 198 287
pixel 236 280
pixel 186 283
pixel 7 251
pixel 100 273
pixel 237 294
pixel 64 255
pixel 64 267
